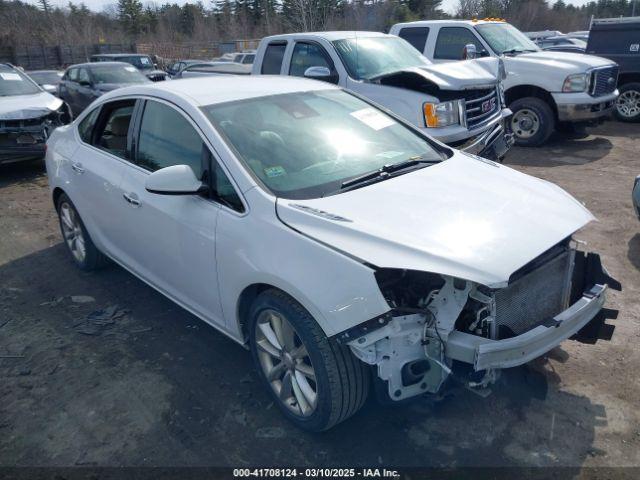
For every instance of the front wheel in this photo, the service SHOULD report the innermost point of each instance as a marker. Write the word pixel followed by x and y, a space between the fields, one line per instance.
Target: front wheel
pixel 532 122
pixel 628 103
pixel 315 381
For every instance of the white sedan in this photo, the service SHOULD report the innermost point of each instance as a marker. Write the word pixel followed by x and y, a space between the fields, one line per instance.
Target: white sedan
pixel 334 239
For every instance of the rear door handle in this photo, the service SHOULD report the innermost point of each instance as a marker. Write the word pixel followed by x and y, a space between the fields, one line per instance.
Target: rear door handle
pixel 77 167
pixel 132 198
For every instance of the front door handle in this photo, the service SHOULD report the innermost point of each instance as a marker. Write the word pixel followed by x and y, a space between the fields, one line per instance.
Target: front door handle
pixel 132 198
pixel 77 167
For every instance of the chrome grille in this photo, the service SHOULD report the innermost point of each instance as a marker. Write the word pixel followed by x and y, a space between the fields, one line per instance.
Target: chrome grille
pixel 540 295
pixel 604 80
pixel 481 106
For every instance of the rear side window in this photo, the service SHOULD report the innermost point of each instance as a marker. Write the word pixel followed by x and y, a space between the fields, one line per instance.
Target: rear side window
pixel 85 128
pixel 273 56
pixel 451 42
pixel 113 127
pixel 416 36
pixel 167 138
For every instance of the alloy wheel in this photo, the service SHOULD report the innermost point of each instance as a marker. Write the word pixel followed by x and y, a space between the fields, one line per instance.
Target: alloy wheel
pixel 286 363
pixel 72 232
pixel 628 104
pixel 525 123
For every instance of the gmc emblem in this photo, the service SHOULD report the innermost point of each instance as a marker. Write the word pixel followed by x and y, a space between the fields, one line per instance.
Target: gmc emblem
pixel 488 105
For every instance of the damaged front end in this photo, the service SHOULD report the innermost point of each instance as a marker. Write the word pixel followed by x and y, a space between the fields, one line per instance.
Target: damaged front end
pixel 438 323
pixel 24 133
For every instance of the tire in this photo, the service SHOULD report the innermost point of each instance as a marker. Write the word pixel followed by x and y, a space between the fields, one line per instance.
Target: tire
pixel 70 220
pixel 341 380
pixel 628 103
pixel 532 122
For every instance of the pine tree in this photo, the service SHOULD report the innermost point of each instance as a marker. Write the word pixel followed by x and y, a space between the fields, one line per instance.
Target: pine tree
pixel 130 16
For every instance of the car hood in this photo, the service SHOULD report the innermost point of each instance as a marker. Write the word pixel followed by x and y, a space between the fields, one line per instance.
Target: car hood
pixel 24 107
pixel 464 217
pixel 558 61
pixel 462 75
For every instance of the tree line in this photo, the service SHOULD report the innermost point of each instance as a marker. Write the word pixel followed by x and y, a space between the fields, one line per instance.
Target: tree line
pixel 132 21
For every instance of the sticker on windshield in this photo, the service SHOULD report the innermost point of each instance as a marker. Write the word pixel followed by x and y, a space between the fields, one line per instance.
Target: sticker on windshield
pixel 373 118
pixel 389 154
pixel 11 76
pixel 276 171
pixel 130 69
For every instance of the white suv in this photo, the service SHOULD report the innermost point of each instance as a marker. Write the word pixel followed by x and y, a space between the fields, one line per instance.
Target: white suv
pixel 337 241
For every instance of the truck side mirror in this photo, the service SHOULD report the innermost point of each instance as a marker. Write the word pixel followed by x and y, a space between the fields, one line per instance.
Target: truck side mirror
pixel 321 73
pixel 469 52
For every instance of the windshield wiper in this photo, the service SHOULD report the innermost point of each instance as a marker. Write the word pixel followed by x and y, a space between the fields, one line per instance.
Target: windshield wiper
pixel 513 51
pixel 385 172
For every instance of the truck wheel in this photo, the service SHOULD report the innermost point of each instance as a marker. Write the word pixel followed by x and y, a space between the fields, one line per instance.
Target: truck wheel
pixel 628 103
pixel 84 253
pixel 532 122
pixel 315 381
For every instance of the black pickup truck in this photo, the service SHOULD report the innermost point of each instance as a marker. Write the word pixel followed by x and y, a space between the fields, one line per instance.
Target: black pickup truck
pixel 618 39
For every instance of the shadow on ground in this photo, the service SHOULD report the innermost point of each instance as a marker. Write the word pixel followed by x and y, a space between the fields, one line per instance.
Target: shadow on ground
pixel 633 253
pixel 21 172
pixel 160 387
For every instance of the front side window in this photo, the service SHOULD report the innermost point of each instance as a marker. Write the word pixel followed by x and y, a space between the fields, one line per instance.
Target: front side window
pixel 416 36
pixel 451 42
pixel 307 55
pixel 73 74
pixel 505 38
pixel 370 57
pixel 113 128
pixel 167 138
pixel 14 82
pixel 304 145
pixel 273 56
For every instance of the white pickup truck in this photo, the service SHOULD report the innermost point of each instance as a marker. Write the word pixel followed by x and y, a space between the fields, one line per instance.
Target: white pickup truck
pixel 543 89
pixel 459 104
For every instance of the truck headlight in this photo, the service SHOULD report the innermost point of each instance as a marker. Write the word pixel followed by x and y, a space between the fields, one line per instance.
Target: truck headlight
pixel 578 82
pixel 441 114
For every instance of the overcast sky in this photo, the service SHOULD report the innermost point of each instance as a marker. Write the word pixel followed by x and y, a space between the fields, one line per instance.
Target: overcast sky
pixel 448 5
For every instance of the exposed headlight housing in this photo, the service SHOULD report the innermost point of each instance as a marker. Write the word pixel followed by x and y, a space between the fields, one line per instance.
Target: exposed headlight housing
pixel 578 82
pixel 441 114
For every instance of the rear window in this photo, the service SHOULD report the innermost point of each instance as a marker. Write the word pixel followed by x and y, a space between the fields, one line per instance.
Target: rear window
pixel 273 56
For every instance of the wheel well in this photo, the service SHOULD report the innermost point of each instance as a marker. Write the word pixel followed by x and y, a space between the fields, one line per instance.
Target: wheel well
pixel 628 78
pixel 245 301
pixel 522 91
pixel 56 195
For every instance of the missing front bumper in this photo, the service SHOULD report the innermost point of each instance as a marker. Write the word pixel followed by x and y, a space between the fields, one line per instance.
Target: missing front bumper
pixel 485 353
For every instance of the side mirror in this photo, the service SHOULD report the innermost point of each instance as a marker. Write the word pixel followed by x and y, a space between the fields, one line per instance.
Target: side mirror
pixel 84 83
pixel 174 180
pixel 321 73
pixel 469 52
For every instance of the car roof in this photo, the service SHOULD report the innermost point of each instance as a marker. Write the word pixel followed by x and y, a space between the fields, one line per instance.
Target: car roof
pixel 419 23
pixel 98 65
pixel 114 55
pixel 331 36
pixel 43 71
pixel 213 89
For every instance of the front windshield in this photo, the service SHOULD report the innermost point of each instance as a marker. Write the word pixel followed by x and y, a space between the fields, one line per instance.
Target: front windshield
pixel 116 74
pixel 505 38
pixel 44 78
pixel 305 145
pixel 370 57
pixel 14 82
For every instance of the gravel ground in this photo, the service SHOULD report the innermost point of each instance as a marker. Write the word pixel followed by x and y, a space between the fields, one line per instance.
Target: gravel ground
pixel 156 386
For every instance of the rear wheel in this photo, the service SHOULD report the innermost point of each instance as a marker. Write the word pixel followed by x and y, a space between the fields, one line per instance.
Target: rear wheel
pixel 84 253
pixel 532 122
pixel 315 381
pixel 628 103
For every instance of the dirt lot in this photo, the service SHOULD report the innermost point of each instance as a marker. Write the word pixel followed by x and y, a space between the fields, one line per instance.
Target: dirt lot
pixel 159 387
